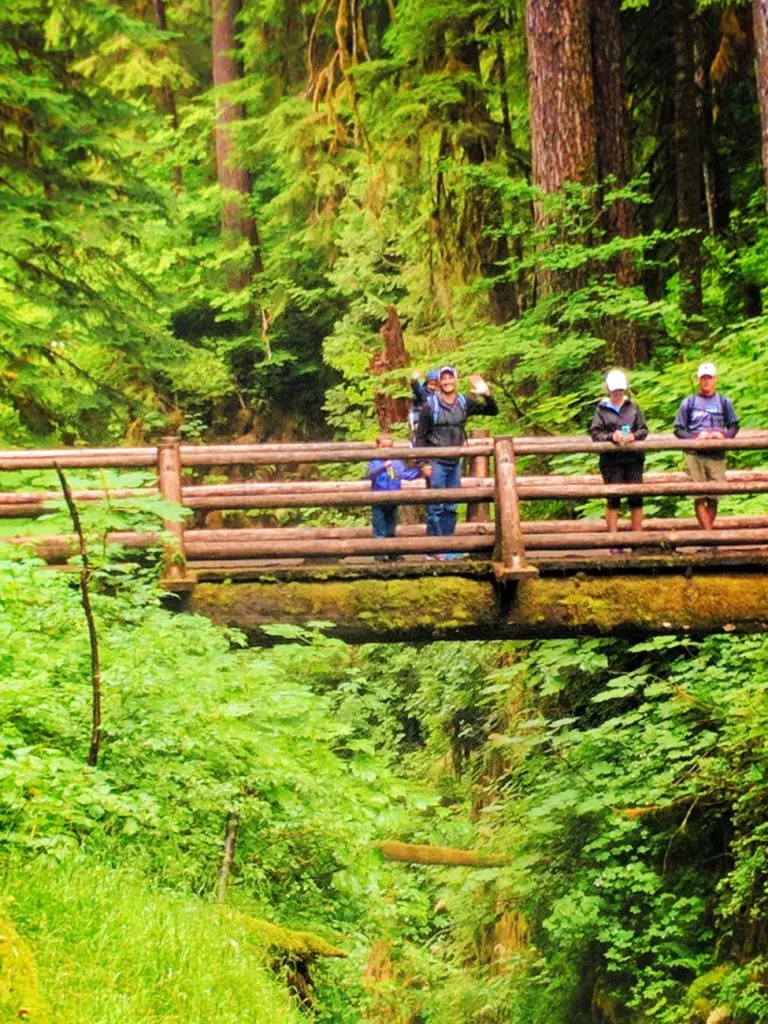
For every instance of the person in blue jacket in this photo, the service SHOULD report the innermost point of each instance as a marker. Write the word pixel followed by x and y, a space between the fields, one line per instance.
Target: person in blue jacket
pixel 387 475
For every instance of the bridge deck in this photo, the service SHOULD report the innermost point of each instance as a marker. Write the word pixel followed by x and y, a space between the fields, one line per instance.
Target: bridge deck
pixel 464 600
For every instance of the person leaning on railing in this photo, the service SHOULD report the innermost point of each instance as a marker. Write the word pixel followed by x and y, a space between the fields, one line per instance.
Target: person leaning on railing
pixel 387 474
pixel 618 419
pixel 707 414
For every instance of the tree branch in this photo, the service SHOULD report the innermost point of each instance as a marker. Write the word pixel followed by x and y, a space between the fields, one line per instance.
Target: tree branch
pixel 85 577
pixel 230 838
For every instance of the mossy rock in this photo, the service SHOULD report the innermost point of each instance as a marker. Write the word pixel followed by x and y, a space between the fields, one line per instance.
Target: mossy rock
pixel 703 994
pixel 19 996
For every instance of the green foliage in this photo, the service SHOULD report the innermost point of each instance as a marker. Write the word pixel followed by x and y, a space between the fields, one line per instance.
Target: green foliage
pixel 627 781
pixel 254 741
pixel 109 948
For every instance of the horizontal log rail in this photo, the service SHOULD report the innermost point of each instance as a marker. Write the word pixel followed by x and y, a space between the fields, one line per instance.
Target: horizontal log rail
pixel 529 526
pixel 206 548
pixel 486 531
pixel 256 455
pixel 507 543
pixel 348 451
pixel 20 504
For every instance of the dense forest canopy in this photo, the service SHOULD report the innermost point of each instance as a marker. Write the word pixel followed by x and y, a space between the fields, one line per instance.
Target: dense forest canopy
pixel 252 219
pixel 210 212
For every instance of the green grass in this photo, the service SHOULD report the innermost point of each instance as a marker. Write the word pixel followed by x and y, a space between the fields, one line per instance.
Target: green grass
pixel 111 950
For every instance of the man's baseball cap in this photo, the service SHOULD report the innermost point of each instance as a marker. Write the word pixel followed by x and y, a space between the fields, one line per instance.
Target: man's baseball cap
pixel 449 369
pixel 706 370
pixel 616 381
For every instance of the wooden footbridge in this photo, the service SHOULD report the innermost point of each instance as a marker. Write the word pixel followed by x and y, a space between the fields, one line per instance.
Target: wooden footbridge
pixel 518 576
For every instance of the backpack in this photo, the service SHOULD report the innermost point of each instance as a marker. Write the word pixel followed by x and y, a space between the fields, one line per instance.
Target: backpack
pixel 434 405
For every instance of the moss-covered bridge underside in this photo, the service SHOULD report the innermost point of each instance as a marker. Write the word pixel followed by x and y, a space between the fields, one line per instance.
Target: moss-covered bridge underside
pixel 402 603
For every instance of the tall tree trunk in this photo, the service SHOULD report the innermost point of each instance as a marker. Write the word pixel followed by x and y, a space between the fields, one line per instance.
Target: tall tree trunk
pixel 237 222
pixel 562 101
pixel 167 97
pixel 614 157
pixel 760 21
pixel 389 409
pixel 614 160
pixel 687 160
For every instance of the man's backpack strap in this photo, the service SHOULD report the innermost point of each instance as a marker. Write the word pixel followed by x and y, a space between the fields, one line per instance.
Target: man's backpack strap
pixel 434 406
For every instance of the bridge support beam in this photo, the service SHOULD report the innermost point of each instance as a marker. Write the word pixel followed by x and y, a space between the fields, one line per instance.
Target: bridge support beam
pixel 450 607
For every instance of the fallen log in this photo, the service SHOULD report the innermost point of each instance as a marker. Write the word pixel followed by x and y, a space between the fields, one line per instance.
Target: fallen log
pixel 414 853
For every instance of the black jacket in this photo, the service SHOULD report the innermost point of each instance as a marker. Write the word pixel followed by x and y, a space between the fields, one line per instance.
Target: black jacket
pixel 448 431
pixel 606 420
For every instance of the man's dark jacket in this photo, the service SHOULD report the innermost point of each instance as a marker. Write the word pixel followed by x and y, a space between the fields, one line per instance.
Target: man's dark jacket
pixel 449 431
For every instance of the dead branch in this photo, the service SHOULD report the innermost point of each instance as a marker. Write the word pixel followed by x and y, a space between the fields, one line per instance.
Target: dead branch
pixel 230 839
pixel 85 597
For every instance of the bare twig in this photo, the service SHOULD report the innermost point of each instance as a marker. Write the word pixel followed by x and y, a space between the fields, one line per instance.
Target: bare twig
pixel 85 578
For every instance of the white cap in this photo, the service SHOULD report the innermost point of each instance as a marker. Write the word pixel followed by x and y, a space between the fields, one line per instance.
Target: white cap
pixel 706 370
pixel 616 381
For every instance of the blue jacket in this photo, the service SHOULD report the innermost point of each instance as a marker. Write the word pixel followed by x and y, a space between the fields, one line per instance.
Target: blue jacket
pixel 391 479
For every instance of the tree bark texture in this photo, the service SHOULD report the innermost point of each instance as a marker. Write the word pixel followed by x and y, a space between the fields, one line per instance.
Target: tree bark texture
pixel 614 161
pixel 760 22
pixel 389 409
pixel 562 110
pixel 561 93
pixel 237 222
pixel 614 157
pixel 687 160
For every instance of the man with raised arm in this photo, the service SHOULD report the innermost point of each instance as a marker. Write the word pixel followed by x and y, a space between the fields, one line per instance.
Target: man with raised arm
pixel 442 422
pixel 707 414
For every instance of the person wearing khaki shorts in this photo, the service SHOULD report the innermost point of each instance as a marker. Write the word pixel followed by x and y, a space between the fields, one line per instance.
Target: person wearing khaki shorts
pixel 706 414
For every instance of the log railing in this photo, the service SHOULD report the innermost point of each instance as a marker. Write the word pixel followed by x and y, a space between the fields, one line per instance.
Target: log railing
pixel 512 544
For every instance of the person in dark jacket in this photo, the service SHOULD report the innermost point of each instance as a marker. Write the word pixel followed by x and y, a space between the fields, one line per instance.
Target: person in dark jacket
pixel 618 419
pixel 387 475
pixel 442 425
pixel 419 394
pixel 706 414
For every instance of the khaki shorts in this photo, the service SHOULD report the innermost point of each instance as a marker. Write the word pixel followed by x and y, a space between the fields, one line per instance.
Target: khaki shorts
pixel 701 467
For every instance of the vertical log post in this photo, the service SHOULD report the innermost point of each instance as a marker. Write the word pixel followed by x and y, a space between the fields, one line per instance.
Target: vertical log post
pixel 169 474
pixel 479 467
pixel 509 562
